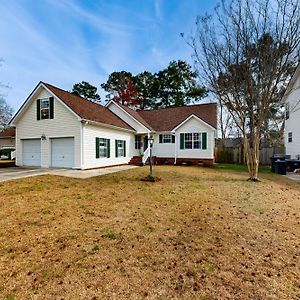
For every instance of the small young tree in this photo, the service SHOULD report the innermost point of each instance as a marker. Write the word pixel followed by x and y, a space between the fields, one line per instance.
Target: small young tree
pixel 245 54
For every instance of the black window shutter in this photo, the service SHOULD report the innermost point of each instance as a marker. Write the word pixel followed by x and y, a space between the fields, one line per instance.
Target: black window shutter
pixel 108 148
pixel 97 147
pixel 51 104
pixel 160 138
pixel 181 140
pixel 173 138
pixel 204 140
pixel 116 148
pixel 38 109
pixel 124 148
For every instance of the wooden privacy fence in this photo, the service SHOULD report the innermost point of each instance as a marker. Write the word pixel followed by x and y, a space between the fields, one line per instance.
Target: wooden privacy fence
pixel 236 154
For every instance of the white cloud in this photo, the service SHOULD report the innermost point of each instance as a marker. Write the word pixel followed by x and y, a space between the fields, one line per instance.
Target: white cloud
pixel 158 9
pixel 64 42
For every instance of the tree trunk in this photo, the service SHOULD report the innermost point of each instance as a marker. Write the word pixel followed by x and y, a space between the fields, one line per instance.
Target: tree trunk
pixel 252 157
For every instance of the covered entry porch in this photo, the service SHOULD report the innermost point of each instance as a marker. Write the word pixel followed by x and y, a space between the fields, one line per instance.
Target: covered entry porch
pixel 142 147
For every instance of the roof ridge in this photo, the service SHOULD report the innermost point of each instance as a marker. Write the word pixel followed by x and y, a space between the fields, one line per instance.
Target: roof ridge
pixel 71 94
pixel 89 107
pixel 173 107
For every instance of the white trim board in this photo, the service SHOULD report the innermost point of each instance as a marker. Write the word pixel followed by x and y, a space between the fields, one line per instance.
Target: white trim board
pixel 40 85
pixel 188 118
pixel 128 114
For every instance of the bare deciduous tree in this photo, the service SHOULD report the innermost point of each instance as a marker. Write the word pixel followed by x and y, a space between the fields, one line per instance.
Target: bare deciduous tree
pixel 245 53
pixel 6 110
pixel 225 122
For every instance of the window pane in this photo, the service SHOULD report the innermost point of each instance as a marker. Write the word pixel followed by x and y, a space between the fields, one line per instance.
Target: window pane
pixel 196 144
pixel 197 141
pixel 102 147
pixel 120 146
pixel 167 138
pixel 45 104
pixel 45 113
pixel 188 140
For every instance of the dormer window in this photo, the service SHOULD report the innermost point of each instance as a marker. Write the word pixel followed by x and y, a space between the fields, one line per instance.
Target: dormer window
pixel 45 108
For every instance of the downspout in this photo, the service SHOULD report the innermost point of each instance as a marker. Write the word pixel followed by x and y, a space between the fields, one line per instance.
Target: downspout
pixel 82 142
pixel 175 152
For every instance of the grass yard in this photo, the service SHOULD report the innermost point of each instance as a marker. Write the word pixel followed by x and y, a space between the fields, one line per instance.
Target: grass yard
pixel 197 234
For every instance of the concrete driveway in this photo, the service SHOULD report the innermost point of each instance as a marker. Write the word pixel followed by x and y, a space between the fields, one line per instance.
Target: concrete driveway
pixel 18 172
pixel 293 176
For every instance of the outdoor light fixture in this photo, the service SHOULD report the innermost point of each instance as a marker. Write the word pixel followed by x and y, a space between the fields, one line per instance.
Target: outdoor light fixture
pixel 43 137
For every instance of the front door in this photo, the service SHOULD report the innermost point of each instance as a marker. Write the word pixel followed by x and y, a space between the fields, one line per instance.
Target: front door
pixel 145 143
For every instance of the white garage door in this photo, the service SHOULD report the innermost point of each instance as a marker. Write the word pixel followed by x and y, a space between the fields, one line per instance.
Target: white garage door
pixel 31 152
pixel 62 152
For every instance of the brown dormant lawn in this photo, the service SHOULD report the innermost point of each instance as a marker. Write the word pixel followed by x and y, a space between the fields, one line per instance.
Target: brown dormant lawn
pixel 197 234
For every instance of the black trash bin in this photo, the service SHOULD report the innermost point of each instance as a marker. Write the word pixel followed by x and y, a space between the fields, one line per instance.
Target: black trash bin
pixel 277 157
pixel 280 167
pixel 273 159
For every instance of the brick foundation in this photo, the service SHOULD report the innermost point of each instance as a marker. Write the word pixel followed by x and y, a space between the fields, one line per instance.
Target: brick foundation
pixel 205 162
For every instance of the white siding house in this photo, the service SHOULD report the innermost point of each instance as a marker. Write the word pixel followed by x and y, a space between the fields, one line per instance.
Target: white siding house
pixel 90 159
pixel 55 128
pixel 292 122
pixel 41 133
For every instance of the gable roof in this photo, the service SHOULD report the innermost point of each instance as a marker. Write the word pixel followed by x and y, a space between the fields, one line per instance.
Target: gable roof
pixel 167 119
pixel 135 114
pixel 88 110
pixel 8 132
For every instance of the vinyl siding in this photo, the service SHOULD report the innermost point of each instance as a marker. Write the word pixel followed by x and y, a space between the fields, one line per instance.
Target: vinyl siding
pixel 163 150
pixel 90 132
pixel 292 124
pixel 64 124
pixel 194 125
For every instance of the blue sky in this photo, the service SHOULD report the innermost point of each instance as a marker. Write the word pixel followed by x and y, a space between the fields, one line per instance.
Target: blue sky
pixel 66 41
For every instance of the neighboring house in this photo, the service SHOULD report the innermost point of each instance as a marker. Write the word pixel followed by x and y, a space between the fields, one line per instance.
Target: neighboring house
pixel 292 116
pixel 7 138
pixel 55 128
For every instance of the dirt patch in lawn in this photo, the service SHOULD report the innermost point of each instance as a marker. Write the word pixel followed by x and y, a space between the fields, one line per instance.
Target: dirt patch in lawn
pixel 197 234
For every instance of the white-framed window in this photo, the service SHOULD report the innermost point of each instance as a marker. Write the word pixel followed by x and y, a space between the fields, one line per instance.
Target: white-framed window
pixel 188 141
pixel 103 145
pixel 120 148
pixel 45 108
pixel 193 140
pixel 166 138
pixel 290 137
pixel 197 140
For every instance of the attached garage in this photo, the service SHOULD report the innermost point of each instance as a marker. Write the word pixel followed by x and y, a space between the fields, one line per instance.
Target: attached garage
pixel 62 152
pixel 31 152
